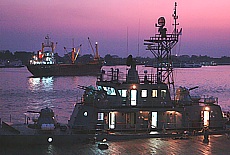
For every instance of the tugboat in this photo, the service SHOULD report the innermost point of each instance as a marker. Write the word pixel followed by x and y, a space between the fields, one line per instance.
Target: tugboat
pixel 44 64
pixel 145 102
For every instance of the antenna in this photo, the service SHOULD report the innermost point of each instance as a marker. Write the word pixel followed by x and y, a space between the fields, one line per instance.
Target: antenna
pixel 73 41
pixel 127 40
pixel 138 36
pixel 175 17
pixel 91 46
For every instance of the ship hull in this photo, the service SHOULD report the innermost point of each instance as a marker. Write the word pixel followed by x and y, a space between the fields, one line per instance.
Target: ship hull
pixel 65 70
pixel 9 140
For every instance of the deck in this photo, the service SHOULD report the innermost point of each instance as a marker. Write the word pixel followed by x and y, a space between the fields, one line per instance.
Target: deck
pixel 218 144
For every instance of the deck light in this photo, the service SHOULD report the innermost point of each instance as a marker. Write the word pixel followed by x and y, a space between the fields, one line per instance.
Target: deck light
pixel 134 86
pixel 207 109
pixel 85 114
pixel 50 139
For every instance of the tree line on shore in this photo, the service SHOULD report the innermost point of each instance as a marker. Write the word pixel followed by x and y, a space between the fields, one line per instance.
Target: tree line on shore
pixel 114 59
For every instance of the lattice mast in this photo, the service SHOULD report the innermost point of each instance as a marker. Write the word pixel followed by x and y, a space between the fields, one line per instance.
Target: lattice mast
pixel 161 46
pixel 48 43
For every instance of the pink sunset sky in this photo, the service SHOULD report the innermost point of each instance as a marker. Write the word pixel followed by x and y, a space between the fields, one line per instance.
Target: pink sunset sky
pixel 25 23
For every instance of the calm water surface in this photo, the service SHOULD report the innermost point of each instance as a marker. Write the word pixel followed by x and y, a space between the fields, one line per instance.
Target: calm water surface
pixel 20 92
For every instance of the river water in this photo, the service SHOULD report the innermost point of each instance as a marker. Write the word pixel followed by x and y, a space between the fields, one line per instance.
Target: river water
pixel 20 92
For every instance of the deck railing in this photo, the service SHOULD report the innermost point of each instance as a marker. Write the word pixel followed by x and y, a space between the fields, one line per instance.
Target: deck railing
pixel 123 127
pixel 121 77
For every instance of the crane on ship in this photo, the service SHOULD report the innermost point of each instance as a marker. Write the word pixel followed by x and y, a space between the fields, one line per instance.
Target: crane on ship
pixel 96 54
pixel 74 53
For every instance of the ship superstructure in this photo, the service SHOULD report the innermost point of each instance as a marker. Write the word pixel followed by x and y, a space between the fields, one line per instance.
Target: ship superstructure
pixel 46 54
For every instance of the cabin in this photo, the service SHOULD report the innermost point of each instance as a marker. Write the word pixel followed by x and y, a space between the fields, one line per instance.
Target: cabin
pixel 140 103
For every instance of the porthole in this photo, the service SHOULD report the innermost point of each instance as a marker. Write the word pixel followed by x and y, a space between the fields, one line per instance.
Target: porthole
pixel 85 113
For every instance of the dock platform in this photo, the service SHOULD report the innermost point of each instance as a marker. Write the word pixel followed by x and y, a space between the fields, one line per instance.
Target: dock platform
pixel 218 144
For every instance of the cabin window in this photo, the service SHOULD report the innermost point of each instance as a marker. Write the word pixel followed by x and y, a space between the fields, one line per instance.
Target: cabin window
pixel 99 87
pixel 112 120
pixel 154 93
pixel 163 94
pixel 133 96
pixel 100 116
pixel 154 120
pixel 206 117
pixel 143 119
pixel 144 93
pixel 131 119
pixel 144 115
pixel 110 91
pixel 119 91
pixel 123 92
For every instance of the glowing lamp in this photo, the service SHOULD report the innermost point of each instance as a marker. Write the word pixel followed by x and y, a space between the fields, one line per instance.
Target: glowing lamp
pixel 50 139
pixel 206 108
pixel 134 86
pixel 85 114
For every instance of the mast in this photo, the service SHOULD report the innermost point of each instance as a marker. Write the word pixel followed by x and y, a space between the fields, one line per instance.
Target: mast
pixel 161 46
pixel 73 52
pixel 73 55
pixel 48 43
pixel 96 57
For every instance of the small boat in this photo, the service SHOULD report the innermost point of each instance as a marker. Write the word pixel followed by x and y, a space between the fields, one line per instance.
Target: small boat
pixel 175 65
pixel 11 64
pixel 44 63
pixel 187 65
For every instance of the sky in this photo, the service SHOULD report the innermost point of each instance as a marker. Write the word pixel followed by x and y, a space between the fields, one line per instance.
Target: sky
pixel 119 26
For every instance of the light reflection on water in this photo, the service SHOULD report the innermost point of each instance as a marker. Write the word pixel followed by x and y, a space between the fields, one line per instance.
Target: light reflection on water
pixel 212 81
pixel 50 150
pixel 19 92
pixel 45 83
